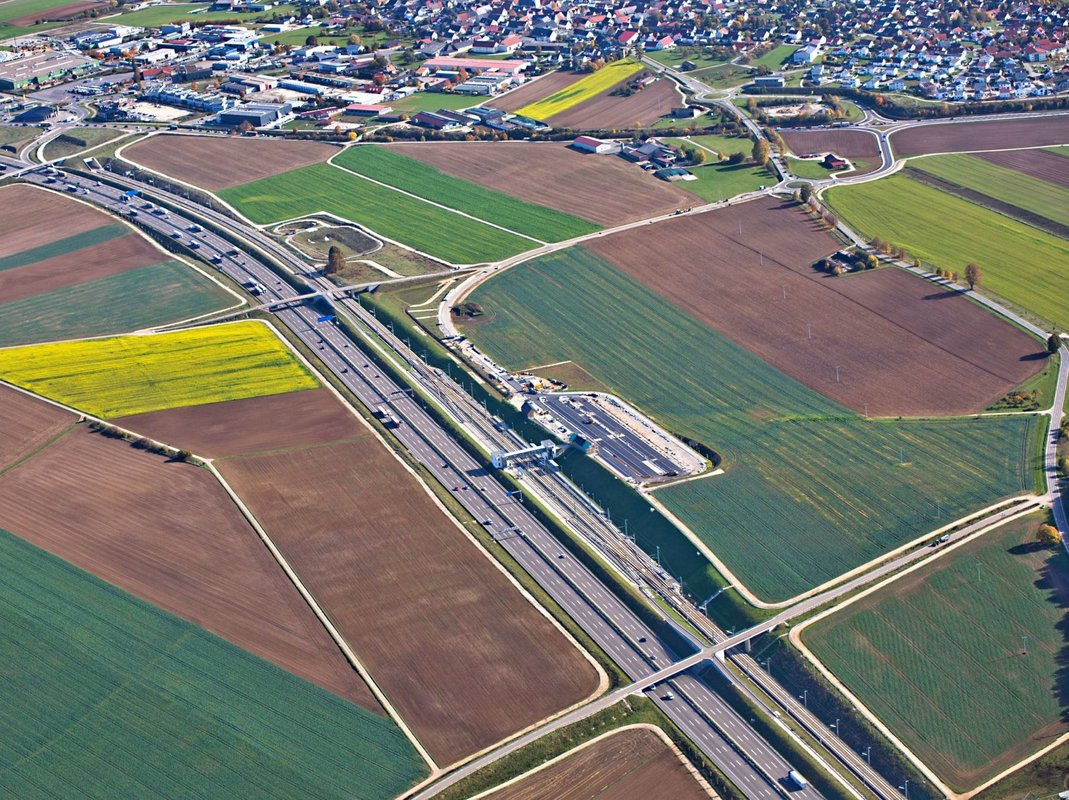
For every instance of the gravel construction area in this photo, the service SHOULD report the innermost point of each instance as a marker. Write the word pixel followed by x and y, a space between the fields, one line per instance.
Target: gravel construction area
pixel 601 188
pixel 220 162
pixel 884 342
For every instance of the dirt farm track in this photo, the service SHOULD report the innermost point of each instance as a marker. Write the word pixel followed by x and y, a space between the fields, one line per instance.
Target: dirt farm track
pixel 601 188
pixel 217 162
pixel 901 346
pixel 955 137
pixel 168 533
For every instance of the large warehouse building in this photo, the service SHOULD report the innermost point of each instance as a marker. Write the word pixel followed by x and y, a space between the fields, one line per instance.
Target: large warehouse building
pixel 39 69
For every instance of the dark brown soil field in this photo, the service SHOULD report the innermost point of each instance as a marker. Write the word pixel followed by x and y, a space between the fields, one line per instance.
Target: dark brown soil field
pixel 216 162
pixel 902 345
pixel 604 111
pixel 168 533
pixel 61 12
pixel 535 90
pixel 32 216
pixel 27 424
pixel 601 188
pixel 625 766
pixel 967 137
pixel 852 145
pixel 460 653
pixel 1040 164
pixel 89 263
pixel 215 430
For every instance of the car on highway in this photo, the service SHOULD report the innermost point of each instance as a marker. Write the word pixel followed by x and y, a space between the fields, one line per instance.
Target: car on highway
pixel 669 696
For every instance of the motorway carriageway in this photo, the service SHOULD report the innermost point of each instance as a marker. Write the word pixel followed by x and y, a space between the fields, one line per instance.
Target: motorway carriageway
pixel 630 643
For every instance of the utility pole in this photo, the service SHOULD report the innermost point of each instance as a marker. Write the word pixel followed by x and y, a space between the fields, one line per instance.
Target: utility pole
pixel 868 754
pixel 804 697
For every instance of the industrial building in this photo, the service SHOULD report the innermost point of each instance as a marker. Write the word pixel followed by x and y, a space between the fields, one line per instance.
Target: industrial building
pixel 38 69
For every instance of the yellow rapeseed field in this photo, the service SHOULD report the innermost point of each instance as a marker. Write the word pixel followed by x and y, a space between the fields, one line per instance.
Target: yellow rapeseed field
pixel 581 90
pixel 124 375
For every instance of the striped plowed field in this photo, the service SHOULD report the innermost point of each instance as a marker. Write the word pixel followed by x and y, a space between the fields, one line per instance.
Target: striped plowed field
pixel 1042 164
pixel 35 217
pixel 976 136
pixel 459 652
pixel 168 533
pixel 601 188
pixel 624 766
pixel 607 111
pixel 882 342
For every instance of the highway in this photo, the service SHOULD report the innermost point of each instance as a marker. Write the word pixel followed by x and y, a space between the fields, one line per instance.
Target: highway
pixel 625 638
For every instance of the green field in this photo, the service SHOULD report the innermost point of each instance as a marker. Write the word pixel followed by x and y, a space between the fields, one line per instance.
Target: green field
pixel 410 175
pixel 138 298
pixel 723 76
pixel 676 56
pixel 720 181
pixel 1020 263
pixel 811 490
pixel 19 8
pixel 106 696
pixel 775 58
pixel 1040 197
pixel 155 16
pixel 808 168
pixel 964 659
pixel 432 101
pixel 65 246
pixel 321 187
pixel 126 375
pixel 72 141
pixel 582 90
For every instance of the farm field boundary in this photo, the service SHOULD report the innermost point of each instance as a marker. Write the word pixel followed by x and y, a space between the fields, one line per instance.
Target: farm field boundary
pixel 887 671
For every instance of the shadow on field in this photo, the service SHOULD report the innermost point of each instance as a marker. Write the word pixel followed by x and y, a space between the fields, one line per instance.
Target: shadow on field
pixel 1055 580
pixel 945 295
pixel 1041 355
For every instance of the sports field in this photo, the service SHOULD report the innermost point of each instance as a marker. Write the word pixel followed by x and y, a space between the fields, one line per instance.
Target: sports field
pixel 812 489
pixel 963 659
pixel 583 89
pixel 125 375
pixel 113 696
pixel 435 231
pixel 1040 197
pixel 131 300
pixel 1020 263
pixel 410 175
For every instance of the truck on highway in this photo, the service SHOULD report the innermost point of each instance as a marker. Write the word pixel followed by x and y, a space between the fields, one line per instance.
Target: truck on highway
pixel 387 417
pixel 797 779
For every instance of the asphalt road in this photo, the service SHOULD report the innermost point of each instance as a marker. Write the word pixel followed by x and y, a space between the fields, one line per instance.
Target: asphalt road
pixel 627 640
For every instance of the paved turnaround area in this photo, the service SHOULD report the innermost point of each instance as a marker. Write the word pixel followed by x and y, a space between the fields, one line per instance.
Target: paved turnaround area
pixel 630 643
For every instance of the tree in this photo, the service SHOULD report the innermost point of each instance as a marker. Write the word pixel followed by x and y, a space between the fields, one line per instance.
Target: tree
pixel 761 152
pixel 335 260
pixel 1054 341
pixel 973 274
pixel 1048 536
pixel 354 38
pixel 807 192
pixel 311 41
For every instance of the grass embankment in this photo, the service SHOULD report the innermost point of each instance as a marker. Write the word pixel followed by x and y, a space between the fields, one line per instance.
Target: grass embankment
pixel 423 180
pixel 1020 263
pixel 425 227
pixel 811 489
pixel 77 139
pixel 139 298
pixel 114 696
pixel 126 375
pixel 582 90
pixel 964 658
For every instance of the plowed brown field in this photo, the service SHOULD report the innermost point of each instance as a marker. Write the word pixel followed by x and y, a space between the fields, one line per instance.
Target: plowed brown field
pixel 852 145
pixel 460 653
pixel 61 12
pixel 32 217
pixel 87 264
pixel 535 90
pixel 605 111
pixel 901 346
pixel 217 162
pixel 1040 164
pixel 314 416
pixel 625 766
pixel 168 533
pixel 601 188
pixel 26 424
pixel 967 137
